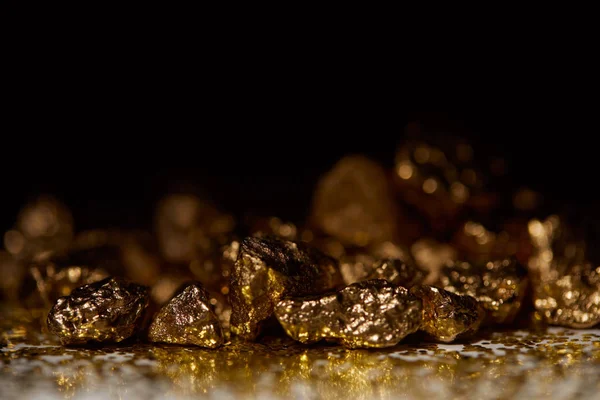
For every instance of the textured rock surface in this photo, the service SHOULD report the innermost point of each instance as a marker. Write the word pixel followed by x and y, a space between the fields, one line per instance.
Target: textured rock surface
pixel 372 313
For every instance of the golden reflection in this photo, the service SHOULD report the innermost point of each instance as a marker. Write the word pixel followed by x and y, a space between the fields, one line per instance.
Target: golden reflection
pixel 496 365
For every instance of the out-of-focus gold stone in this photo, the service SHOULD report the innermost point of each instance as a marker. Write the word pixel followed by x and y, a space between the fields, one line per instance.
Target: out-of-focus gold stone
pixel 187 319
pixel 130 254
pixel 448 316
pixel 362 267
pixel 266 270
pixel 499 286
pixel 44 224
pixel 566 287
pixel 478 244
pixel 556 250
pixel 53 282
pixel 110 310
pixel 572 300
pixel 353 203
pixel 372 313
pixel 12 273
pixel 186 225
pixel 273 226
pixel 431 255
pixel 437 175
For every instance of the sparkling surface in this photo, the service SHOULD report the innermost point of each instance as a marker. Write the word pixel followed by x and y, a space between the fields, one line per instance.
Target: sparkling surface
pixel 269 269
pixel 187 319
pixel 555 364
pixel 371 313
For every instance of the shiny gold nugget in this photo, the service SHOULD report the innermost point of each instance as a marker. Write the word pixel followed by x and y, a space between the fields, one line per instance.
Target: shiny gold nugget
pixel 499 286
pixel 373 313
pixel 448 316
pixel 110 310
pixel 268 269
pixel 187 319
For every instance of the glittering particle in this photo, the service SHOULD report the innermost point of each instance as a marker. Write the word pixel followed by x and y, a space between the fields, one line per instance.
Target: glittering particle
pixel 448 316
pixel 266 270
pixel 353 203
pixel 371 313
pixel 110 310
pixel 499 286
pixel 187 319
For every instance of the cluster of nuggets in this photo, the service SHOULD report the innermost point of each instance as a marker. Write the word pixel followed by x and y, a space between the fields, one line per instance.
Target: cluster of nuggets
pixel 384 254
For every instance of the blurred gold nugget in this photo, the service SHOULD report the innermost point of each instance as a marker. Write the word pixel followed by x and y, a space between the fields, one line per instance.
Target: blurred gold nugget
pixel 53 281
pixel 186 225
pixel 438 176
pixel 273 226
pixel 373 313
pixel 187 319
pixel 478 244
pixel 12 274
pixel 266 270
pixel 43 225
pixel 556 250
pixel 362 267
pixel 448 316
pixel 431 256
pixel 566 287
pixel 110 310
pixel 354 203
pixel 499 286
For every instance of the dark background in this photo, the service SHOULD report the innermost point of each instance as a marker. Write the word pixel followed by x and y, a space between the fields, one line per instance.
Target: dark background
pixel 110 166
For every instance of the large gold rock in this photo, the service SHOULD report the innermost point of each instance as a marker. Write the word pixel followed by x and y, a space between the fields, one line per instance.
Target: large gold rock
pixel 187 319
pixel 266 270
pixel 372 313
pixel 353 203
pixel 110 310
pixel 448 316
pixel 499 286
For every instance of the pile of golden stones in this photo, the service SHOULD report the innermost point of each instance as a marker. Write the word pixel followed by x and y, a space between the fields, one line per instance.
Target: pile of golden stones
pixel 412 254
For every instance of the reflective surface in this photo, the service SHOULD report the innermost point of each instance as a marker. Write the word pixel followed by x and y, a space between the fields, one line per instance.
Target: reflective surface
pixel 554 364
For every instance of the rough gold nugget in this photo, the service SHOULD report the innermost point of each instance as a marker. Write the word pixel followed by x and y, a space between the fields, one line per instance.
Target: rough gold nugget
pixel 499 286
pixel 187 318
pixel 448 316
pixel 266 270
pixel 373 313
pixel 110 310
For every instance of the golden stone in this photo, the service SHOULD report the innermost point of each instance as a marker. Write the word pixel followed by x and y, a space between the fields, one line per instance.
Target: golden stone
pixel 373 313
pixel 448 316
pixel 499 286
pixel 187 319
pixel 266 270
pixel 110 310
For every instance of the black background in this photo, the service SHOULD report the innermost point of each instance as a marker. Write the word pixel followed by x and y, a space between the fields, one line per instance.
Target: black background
pixel 111 164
